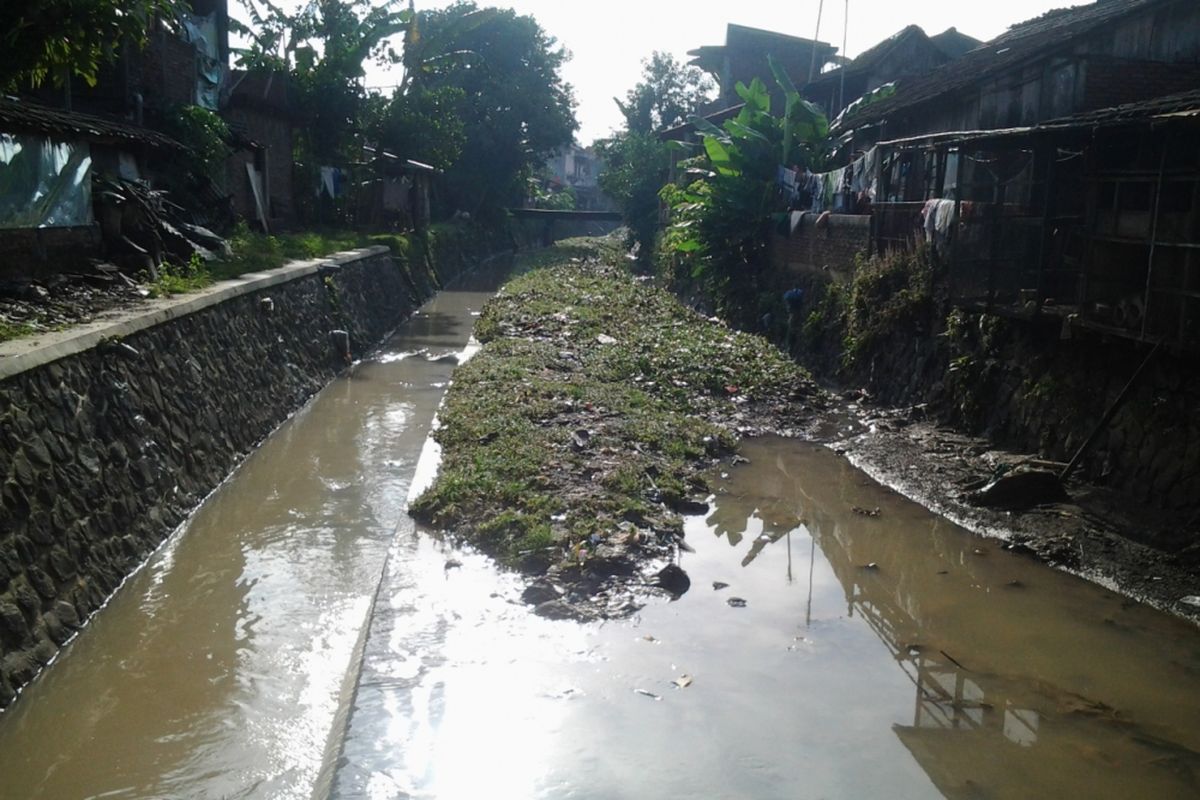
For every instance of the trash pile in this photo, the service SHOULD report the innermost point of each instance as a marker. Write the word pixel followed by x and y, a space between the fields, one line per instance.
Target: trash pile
pixel 142 229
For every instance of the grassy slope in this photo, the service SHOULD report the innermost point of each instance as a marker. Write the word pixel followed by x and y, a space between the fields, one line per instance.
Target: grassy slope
pixel 561 445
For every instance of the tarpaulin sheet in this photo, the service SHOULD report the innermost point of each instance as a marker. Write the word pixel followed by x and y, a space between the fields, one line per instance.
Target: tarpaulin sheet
pixel 44 183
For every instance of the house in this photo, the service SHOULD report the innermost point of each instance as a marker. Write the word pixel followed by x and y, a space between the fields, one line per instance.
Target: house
pixel 1064 62
pixel 907 54
pixel 745 56
pixel 396 193
pixel 47 159
pixel 258 176
pixel 1092 218
pixel 187 64
pixel 579 168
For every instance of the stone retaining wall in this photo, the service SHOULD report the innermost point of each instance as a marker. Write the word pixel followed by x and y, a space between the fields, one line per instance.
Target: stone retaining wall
pixel 112 433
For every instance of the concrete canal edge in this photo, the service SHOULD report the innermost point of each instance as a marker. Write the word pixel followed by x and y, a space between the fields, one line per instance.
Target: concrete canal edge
pixel 111 433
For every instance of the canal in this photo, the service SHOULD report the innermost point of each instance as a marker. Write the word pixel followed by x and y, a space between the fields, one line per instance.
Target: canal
pixel 300 637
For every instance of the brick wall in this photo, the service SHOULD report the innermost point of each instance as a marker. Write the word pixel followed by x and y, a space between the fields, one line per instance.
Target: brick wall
pixel 830 248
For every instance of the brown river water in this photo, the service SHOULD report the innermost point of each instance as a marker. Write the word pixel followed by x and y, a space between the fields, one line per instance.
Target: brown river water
pixel 299 638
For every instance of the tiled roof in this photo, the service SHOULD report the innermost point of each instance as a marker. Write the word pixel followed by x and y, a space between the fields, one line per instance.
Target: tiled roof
pixel 1020 43
pixel 22 116
pixel 955 43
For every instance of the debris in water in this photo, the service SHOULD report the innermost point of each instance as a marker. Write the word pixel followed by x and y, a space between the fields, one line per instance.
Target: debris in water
pixel 871 566
pixel 673 579
pixel 1015 584
pixel 954 661
pixel 645 693
pixel 683 681
pixel 719 585
pixel 979 551
pixel 866 512
pixel 736 602
pixel 1020 489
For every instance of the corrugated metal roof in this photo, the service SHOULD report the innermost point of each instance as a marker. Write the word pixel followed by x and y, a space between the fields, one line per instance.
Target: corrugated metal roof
pixel 1184 105
pixel 22 116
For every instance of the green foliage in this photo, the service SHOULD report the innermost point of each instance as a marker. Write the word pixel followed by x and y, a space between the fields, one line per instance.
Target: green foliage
pixel 634 172
pixel 516 108
pixel 181 279
pixel 543 195
pixel 424 125
pixel 59 38
pixel 889 296
pixel 514 478
pixel 324 46
pixel 15 330
pixel 667 94
pixel 721 221
pixel 204 134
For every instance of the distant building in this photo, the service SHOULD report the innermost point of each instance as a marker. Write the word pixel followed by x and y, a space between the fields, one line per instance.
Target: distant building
pixel 579 168
pixel 907 54
pixel 745 56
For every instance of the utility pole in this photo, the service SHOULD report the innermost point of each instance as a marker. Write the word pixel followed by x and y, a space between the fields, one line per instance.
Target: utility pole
pixel 812 68
pixel 845 64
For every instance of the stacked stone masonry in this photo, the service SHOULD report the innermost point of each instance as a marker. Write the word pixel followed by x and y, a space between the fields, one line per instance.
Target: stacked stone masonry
pixel 104 452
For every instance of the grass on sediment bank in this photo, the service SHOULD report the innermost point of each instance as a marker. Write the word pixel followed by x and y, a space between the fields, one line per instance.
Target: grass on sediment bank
pixel 591 411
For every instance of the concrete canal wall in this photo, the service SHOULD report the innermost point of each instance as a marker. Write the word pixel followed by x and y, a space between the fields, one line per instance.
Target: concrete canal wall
pixel 112 433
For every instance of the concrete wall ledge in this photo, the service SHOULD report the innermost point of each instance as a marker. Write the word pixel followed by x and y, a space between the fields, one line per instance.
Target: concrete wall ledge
pixel 22 355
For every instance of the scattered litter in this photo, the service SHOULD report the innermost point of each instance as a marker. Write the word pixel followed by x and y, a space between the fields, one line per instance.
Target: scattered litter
pixel 736 602
pixel 646 693
pixel 649 638
pixel 453 563
pixel 604 338
pixel 866 512
pixel 719 585
pixel 1191 600
pixel 683 681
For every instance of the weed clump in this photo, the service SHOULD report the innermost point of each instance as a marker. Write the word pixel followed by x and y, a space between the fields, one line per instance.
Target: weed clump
pixel 591 412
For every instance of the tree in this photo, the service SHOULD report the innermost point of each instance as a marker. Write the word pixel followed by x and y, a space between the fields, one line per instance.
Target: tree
pixel 324 46
pixel 720 223
pixel 515 107
pixel 59 38
pixel 635 169
pixel 423 124
pixel 666 95
pixel 635 161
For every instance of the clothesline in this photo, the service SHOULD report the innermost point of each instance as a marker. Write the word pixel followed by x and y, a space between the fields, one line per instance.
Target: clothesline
pixel 818 191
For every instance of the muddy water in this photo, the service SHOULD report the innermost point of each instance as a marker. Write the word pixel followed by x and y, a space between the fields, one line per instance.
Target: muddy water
pixel 219 670
pixel 879 653
pixel 873 654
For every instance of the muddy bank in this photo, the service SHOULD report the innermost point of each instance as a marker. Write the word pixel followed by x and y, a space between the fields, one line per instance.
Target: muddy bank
pixel 1093 532
pixel 587 423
